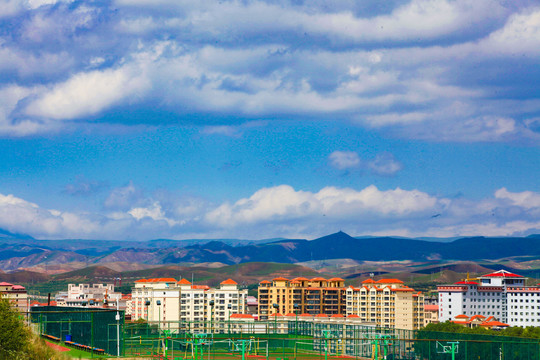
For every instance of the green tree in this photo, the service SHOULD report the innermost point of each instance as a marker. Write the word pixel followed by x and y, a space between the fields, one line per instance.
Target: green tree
pixel 14 336
pixel 17 342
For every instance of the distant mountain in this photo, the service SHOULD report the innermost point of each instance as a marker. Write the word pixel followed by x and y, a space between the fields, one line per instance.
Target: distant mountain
pixel 4 234
pixel 25 254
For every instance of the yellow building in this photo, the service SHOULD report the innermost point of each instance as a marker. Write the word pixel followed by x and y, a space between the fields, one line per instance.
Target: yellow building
pixel 386 303
pixel 16 294
pixel 301 296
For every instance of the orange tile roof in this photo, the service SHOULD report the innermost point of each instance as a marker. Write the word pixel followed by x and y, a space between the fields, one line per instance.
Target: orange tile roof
pixel 462 316
pixel 5 284
pixel 140 280
pixel 480 317
pixel 321 315
pixel 241 316
pixel 336 279
pixel 431 307
pixel 278 314
pixel 295 282
pixel 318 279
pixel 494 323
pixel 265 282
pixel 304 314
pixel 184 282
pixel 200 287
pixel 390 281
pixel 337 316
pixel 301 279
pixel 156 280
pixel 368 281
pixel 353 316
pixel 280 279
pixel 229 282
pixel 291 314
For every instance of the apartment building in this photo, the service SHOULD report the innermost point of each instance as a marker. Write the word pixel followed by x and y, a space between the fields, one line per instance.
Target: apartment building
pixel 301 295
pixel 96 295
pixel 386 303
pixel 500 294
pixel 167 300
pixel 15 294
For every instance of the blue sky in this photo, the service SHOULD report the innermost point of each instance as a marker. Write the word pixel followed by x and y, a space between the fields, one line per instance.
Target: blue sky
pixel 141 119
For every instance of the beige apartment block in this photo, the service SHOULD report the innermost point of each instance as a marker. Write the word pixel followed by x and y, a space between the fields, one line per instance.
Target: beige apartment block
pixel 386 303
pixel 169 302
pixel 301 295
pixel 16 295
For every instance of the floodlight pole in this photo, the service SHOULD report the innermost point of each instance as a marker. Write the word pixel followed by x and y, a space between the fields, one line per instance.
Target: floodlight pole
pixel 275 306
pixel 118 327
pixel 296 306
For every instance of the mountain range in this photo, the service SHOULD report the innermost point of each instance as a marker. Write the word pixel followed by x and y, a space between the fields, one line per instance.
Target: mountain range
pixel 62 255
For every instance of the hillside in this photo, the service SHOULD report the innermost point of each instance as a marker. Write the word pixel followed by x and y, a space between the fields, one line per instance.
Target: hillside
pixel 58 255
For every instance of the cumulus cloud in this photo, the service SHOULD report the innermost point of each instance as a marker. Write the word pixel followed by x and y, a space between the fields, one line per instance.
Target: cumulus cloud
pixel 399 70
pixel 344 159
pixel 382 164
pixel 285 211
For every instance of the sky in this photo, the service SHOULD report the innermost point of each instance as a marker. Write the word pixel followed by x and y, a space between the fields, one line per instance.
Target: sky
pixel 253 119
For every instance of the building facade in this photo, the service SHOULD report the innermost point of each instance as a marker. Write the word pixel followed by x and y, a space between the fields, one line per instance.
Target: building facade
pixel 96 295
pixel 500 294
pixel 15 294
pixel 166 300
pixel 301 295
pixel 386 303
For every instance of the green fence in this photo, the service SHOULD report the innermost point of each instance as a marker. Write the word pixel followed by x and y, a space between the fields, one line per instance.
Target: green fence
pixel 299 340
pixel 97 328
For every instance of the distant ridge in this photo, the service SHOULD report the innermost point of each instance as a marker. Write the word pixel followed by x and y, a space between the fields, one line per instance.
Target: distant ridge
pixel 27 253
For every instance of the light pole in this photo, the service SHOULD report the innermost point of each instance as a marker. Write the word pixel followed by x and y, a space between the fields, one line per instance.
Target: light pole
pixel 146 304
pixel 296 307
pixel 275 306
pixel 211 315
pixel 158 303
pixel 229 307
pixel 118 327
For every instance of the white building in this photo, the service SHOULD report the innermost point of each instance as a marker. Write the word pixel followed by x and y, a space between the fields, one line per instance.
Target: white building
pixel 166 300
pixel 501 294
pixel 89 294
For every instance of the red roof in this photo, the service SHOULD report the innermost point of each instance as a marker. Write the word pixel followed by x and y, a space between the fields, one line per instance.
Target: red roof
pixel 5 284
pixel 157 280
pixel 337 316
pixel 304 314
pixel 336 279
pixel 479 317
pixel 368 281
pixel 494 323
pixel 241 316
pixel 184 282
pixel 229 282
pixel 301 279
pixel 200 287
pixel 431 307
pixel 291 314
pixel 503 273
pixel 265 282
pixel 278 314
pixel 466 283
pixel 18 287
pixel 390 281
pixel 321 315
pixel 318 279
pixel 462 316
pixel 280 279
pixel 353 316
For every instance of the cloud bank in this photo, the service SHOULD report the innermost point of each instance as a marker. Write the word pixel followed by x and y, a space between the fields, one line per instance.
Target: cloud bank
pixel 407 68
pixel 281 211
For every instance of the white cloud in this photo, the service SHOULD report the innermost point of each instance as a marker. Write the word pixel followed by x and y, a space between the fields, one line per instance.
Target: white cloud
pixel 283 202
pixel 344 159
pixel 525 199
pixel 385 164
pixel 88 93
